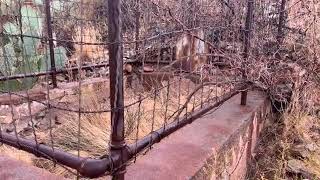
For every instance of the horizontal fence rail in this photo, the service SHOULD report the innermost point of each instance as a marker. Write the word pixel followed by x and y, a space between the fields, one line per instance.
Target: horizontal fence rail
pixel 98 167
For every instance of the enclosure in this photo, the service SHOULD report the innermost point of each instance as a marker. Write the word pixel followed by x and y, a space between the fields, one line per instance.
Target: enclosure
pixel 88 86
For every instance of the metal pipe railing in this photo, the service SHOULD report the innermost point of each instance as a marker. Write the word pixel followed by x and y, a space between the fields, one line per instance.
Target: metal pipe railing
pixel 158 135
pixel 87 167
pixel 93 168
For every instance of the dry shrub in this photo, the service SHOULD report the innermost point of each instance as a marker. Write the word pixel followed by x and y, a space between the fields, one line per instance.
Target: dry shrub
pixel 164 108
pixel 268 162
pixel 92 141
pixel 313 162
pixel 88 52
pixel 94 129
pixel 278 145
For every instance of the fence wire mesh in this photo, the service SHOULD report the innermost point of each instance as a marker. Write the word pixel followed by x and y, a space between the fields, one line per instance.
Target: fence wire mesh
pixel 179 58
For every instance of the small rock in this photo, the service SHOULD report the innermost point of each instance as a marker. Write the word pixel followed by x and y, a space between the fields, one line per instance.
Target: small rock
pixel 4 109
pixel 299 151
pixel 315 129
pixel 41 115
pixel 57 94
pixel 17 125
pixel 311 147
pixel 27 131
pixel 60 78
pixel 6 119
pixel 299 168
pixel 6 113
pixel 22 110
pixel 148 69
pixel 36 108
pixel 57 121
pixel 9 129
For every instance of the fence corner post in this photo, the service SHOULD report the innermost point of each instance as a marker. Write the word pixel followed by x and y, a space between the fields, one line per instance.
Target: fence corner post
pixel 248 29
pixel 281 23
pixel 117 141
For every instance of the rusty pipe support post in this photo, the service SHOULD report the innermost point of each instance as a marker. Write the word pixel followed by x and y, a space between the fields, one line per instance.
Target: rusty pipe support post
pixel 137 33
pixel 281 23
pixel 117 142
pixel 51 45
pixel 248 29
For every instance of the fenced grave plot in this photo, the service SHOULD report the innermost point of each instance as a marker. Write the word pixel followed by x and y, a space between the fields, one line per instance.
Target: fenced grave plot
pixel 59 123
pixel 116 77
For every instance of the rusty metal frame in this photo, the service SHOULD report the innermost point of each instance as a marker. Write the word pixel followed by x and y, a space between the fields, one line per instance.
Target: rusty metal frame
pixel 281 23
pixel 120 153
pixel 115 162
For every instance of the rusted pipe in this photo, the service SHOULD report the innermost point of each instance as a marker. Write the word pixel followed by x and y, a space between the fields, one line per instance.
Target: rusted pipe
pixel 137 32
pixel 158 135
pixel 93 168
pixel 281 23
pixel 87 167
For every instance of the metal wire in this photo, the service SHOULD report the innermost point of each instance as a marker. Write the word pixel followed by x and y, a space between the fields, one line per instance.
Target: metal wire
pixel 138 125
pixel 48 98
pixel 153 29
pixel 26 63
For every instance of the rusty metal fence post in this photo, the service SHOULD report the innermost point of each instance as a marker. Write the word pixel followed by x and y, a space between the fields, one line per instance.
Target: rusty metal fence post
pixel 117 142
pixel 137 33
pixel 51 45
pixel 281 23
pixel 248 28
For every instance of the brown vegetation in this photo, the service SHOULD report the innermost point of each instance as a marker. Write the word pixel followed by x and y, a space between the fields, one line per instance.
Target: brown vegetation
pixel 288 72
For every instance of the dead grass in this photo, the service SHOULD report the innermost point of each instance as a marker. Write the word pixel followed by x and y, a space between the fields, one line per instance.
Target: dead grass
pixel 162 109
pixel 93 53
pixel 268 161
pixel 277 145
pixel 95 128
